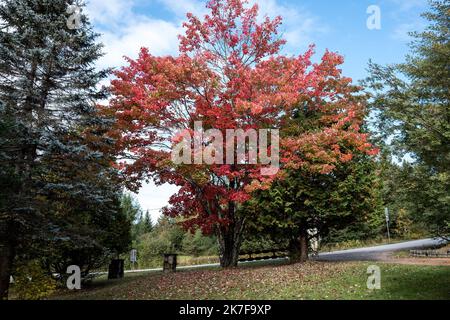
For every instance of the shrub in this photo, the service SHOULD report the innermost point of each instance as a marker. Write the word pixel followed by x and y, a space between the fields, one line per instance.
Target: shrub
pixel 31 282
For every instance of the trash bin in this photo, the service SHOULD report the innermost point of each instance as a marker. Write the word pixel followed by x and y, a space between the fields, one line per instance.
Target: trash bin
pixel 170 262
pixel 116 269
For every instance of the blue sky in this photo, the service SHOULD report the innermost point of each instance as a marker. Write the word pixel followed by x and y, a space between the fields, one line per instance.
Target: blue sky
pixel 127 25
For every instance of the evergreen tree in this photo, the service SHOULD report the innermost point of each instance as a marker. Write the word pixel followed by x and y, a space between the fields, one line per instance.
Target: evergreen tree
pixel 48 88
pixel 147 223
pixel 132 209
pixel 197 244
pixel 306 205
pixel 81 200
pixel 412 107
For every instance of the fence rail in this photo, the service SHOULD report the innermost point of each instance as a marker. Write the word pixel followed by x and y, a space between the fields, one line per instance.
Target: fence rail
pixel 430 253
pixel 263 254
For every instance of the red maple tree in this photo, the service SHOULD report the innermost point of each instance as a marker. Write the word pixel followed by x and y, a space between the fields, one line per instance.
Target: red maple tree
pixel 229 75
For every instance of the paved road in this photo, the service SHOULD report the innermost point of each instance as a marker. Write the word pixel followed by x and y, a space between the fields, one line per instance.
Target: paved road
pixel 368 253
pixel 378 252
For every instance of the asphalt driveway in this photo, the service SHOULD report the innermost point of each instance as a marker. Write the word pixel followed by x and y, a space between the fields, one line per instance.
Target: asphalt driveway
pixel 378 252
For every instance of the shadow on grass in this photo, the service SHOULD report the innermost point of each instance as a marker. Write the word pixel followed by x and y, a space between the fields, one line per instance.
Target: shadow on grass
pixel 101 283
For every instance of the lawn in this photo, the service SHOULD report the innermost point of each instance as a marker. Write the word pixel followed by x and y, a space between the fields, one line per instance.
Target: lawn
pixel 312 280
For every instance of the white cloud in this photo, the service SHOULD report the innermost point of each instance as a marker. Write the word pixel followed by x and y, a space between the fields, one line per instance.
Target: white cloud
pixel 110 12
pixel 158 35
pixel 407 18
pixel 299 25
pixel 153 198
pixel 123 33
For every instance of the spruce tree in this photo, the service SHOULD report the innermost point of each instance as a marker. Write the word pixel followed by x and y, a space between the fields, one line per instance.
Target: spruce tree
pixel 339 206
pixel 48 89
pixel 148 224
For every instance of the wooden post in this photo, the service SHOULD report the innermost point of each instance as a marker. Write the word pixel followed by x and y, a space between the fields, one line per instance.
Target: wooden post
pixel 116 269
pixel 170 262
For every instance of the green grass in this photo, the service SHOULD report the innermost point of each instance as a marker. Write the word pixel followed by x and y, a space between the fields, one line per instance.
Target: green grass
pixel 192 261
pixel 401 254
pixel 312 280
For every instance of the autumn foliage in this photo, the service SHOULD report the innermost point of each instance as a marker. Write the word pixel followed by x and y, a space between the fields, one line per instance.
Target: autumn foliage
pixel 230 74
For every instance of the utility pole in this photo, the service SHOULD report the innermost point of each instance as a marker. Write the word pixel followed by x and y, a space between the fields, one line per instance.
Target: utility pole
pixel 386 213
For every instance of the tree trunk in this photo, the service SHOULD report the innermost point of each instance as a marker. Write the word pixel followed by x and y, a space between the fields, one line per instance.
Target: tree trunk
pixel 6 261
pixel 298 248
pixel 230 240
pixel 303 246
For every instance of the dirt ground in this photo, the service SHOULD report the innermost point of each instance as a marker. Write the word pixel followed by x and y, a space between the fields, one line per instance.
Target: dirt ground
pixel 419 261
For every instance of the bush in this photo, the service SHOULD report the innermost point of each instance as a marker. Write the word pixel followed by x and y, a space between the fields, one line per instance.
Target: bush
pixel 31 282
pixel 169 237
pixel 196 244
pixel 150 249
pixel 259 243
pixel 402 224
